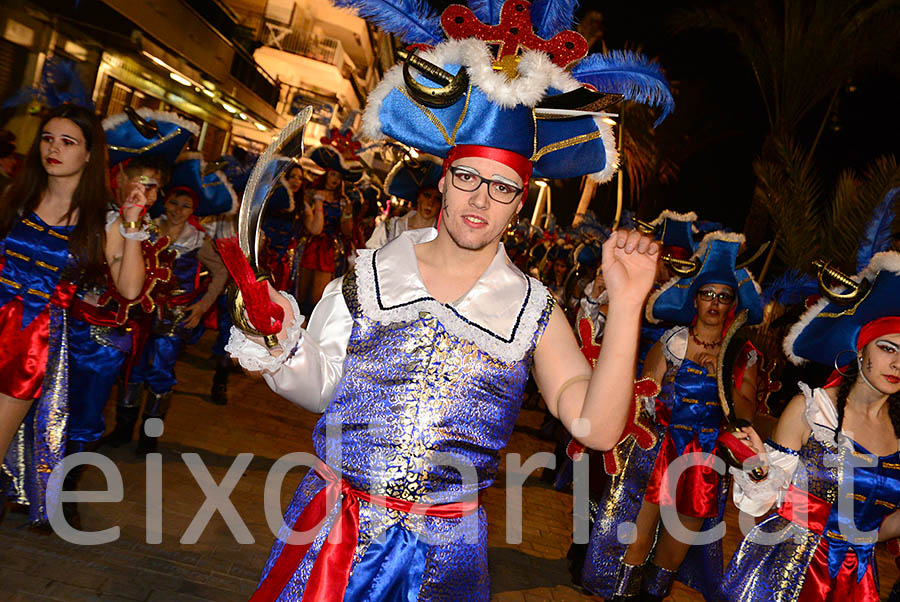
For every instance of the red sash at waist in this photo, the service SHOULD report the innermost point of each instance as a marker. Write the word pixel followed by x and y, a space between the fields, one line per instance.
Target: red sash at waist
pixel 331 571
pixel 805 509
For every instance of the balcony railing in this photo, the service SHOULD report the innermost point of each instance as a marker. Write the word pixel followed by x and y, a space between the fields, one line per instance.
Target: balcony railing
pixel 320 48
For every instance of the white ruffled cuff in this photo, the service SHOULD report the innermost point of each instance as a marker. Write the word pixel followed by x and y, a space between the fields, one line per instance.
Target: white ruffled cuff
pixel 142 234
pixel 257 358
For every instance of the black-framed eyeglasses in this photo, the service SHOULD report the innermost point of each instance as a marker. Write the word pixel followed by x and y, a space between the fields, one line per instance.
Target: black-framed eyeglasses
pixel 468 181
pixel 708 294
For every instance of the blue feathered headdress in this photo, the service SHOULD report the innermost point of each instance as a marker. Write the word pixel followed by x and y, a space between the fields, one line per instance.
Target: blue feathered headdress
pixel 509 75
pixel 877 235
pixel 829 328
pixel 59 85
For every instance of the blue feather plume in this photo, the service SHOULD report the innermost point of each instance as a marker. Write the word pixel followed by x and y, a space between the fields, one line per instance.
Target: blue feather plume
pixel 628 73
pixel 550 17
pixel 488 11
pixel 60 84
pixel 877 235
pixel 790 288
pixel 411 20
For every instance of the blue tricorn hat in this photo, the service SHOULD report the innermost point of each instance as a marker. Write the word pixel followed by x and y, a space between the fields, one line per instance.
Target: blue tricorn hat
pixel 716 263
pixel 409 175
pixel 212 191
pixel 327 157
pixel 827 332
pixel 511 78
pixel 147 133
pixel 676 230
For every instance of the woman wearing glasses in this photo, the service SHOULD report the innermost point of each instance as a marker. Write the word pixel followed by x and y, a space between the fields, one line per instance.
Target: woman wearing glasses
pixel 625 564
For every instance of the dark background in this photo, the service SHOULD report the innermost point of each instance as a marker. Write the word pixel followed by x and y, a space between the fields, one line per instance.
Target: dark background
pixel 719 122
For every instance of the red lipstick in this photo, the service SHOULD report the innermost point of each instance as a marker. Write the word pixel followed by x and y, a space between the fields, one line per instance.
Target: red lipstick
pixel 892 379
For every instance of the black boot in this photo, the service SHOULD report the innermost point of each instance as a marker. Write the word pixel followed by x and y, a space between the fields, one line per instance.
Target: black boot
pixel 156 408
pixel 657 583
pixel 628 583
pixel 127 409
pixel 219 393
pixel 70 483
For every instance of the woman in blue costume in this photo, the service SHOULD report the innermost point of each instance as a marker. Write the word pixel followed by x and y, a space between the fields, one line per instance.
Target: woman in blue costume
pixel 418 357
pixel 686 418
pixel 185 298
pixel 281 227
pixel 325 254
pixel 826 513
pixel 52 224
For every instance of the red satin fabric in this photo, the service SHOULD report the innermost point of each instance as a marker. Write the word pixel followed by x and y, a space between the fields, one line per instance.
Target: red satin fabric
pixel 331 571
pixel 805 509
pixel 809 511
pixel 318 255
pixel 23 352
pixel 697 491
pixel 820 587
pixel 265 315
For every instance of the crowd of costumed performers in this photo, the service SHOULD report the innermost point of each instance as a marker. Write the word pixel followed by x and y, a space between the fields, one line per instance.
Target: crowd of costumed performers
pixel 432 336
pixel 56 238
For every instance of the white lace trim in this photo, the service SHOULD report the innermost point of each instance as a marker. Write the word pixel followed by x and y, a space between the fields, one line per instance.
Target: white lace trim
pixel 814 417
pixel 773 486
pixel 511 348
pixel 257 358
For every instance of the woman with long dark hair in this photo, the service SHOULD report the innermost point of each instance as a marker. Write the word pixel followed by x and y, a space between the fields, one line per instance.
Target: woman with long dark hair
pixel 54 236
pixel 833 467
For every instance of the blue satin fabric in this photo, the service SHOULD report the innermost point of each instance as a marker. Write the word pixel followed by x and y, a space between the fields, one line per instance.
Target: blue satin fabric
pixel 93 370
pixel 391 569
pixel 156 367
pixel 696 406
pixel 35 256
pixel 871 484
pixel 487 124
pixel 184 269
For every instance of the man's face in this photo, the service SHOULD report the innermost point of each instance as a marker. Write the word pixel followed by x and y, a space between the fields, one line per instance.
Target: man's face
pixel 146 179
pixel 474 220
pixel 429 203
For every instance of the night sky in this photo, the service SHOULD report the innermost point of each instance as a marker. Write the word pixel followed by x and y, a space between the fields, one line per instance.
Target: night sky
pixel 719 122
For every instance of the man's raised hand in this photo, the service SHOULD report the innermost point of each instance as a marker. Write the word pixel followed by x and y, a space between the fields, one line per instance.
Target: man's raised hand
pixel 629 266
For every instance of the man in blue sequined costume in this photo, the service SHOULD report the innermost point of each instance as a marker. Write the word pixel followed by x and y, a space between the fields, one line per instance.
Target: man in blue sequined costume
pixel 418 357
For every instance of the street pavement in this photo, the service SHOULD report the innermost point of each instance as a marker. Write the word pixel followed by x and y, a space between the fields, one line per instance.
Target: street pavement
pixel 42 567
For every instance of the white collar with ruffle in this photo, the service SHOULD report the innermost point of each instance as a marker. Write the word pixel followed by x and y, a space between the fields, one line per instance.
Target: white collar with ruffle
pixel 500 313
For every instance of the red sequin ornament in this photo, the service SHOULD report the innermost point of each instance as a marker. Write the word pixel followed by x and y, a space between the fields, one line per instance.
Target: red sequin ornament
pixel 342 143
pixel 513 34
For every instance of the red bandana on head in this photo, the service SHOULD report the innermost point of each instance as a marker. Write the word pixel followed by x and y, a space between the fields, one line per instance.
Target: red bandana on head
pixel 517 162
pixel 867 334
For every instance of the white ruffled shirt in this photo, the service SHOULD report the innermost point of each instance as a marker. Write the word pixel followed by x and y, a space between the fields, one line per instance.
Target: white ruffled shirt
pixel 500 314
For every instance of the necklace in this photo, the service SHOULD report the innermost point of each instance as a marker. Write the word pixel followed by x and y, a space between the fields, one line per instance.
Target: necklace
pixel 702 343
